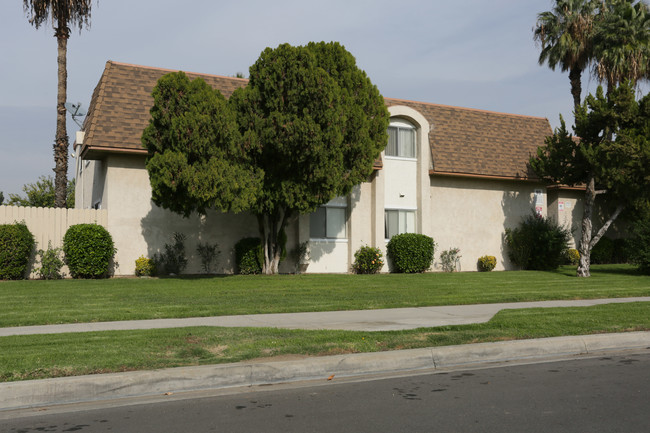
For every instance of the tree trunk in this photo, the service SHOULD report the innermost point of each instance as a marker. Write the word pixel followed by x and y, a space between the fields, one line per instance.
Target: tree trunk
pixel 61 141
pixel 587 241
pixel 584 247
pixel 271 227
pixel 575 75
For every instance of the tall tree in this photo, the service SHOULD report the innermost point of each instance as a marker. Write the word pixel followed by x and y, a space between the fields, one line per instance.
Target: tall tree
pixel 41 194
pixel 306 128
pixel 609 155
pixel 621 42
pixel 62 14
pixel 565 34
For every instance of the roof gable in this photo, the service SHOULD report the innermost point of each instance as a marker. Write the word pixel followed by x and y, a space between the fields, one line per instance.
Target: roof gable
pixel 463 141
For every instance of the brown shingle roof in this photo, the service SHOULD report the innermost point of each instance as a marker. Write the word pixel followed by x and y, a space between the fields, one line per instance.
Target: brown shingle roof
pixel 119 108
pixel 463 141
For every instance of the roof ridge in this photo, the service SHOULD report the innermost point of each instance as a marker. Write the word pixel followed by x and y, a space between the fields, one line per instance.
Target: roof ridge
pixel 501 113
pixel 100 99
pixel 155 68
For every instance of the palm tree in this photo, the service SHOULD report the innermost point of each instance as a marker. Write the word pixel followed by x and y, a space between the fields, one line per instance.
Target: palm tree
pixel 622 42
pixel 565 35
pixel 62 14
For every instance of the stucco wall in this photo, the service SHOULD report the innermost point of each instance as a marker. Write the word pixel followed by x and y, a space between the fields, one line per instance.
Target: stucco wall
pixel 141 228
pixel 472 214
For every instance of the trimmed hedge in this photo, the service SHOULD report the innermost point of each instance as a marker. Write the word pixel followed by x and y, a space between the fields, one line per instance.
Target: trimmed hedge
pixel 486 263
pixel 248 256
pixel 411 252
pixel 16 247
pixel 88 250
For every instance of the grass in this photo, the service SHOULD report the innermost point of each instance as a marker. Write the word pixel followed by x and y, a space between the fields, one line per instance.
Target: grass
pixel 68 301
pixel 44 356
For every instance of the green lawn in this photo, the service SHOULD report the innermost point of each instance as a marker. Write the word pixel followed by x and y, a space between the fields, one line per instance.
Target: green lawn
pixel 68 301
pixel 42 356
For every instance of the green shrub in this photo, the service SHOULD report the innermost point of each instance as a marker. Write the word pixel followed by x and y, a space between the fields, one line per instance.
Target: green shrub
pixel 486 263
pixel 145 267
pixel 621 251
pixel 208 254
pixel 410 252
pixel 572 257
pixel 368 260
pixel 16 247
pixel 639 245
pixel 538 243
pixel 172 260
pixel 248 256
pixel 88 250
pixel 603 252
pixel 51 263
pixel 449 260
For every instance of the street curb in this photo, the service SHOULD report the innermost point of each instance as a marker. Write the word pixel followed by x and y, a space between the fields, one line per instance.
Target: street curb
pixel 34 393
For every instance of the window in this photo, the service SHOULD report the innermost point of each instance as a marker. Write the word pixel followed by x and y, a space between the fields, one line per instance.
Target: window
pixel 401 140
pixel 398 221
pixel 327 222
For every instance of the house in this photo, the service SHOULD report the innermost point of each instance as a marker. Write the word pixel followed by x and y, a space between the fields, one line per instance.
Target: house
pixel 456 174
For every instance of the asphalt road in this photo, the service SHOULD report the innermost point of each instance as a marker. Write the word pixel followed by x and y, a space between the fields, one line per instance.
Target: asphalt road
pixel 603 394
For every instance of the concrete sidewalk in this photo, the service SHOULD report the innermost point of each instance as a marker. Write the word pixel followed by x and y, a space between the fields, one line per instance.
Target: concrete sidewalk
pixel 361 320
pixel 160 384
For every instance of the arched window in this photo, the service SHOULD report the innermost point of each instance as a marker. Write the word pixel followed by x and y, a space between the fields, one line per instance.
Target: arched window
pixel 401 139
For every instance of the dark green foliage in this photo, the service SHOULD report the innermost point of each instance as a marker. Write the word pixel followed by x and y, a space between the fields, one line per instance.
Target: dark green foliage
pixel 538 243
pixel 172 259
pixel 208 253
pixel 611 158
pixel 603 251
pixel 639 244
pixel 411 252
pixel 368 260
pixel 248 253
pixel 195 159
pixel 2 198
pixel 88 250
pixel 51 263
pixel 486 263
pixel 16 247
pixel 306 128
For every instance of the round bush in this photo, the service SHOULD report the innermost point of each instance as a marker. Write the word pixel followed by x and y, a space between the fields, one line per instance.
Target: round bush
pixel 411 252
pixel 367 260
pixel 248 252
pixel 572 256
pixel 16 246
pixel 145 267
pixel 487 263
pixel 538 243
pixel 88 250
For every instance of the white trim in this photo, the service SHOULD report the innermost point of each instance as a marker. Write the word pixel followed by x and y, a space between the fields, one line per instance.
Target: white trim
pixel 401 158
pixel 329 240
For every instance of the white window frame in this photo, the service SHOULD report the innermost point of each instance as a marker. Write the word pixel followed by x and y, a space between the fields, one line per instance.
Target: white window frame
pixel 402 211
pixel 334 237
pixel 402 125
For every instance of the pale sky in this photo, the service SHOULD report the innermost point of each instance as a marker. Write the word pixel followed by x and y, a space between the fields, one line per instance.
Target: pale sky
pixel 472 53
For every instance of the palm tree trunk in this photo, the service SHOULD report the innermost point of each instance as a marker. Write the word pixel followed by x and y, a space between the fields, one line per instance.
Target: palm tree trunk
pixel 575 76
pixel 61 141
